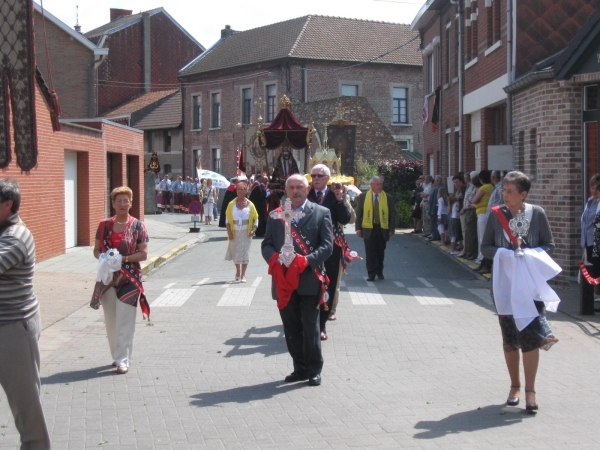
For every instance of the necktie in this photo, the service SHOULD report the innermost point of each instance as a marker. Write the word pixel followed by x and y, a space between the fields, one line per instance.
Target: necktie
pixel 376 210
pixel 320 197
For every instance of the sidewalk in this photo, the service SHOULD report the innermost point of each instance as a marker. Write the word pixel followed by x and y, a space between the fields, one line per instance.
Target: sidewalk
pixel 569 304
pixel 72 275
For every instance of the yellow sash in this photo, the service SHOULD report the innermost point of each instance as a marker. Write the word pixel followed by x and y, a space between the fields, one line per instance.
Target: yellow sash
pixel 384 212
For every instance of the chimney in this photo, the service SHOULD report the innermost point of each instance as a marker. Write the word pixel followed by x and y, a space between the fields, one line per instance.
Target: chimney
pixel 117 13
pixel 225 33
pixel 78 28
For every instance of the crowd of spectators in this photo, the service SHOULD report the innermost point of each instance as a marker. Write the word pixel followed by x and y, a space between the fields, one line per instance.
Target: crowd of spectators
pixel 457 218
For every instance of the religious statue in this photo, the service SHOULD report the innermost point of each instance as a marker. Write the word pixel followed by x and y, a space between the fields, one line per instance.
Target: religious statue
pixel 286 165
pixel 154 165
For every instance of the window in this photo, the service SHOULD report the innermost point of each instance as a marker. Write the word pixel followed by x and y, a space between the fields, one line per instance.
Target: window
pixel 167 168
pixel 590 97
pixel 246 105
pixel 215 120
pixel 493 11
pixel 197 158
pixel 167 138
pixel 404 145
pixel 196 112
pixel 349 90
pixel 271 101
pixel 474 30
pixel 216 160
pixel 533 152
pixel 430 77
pixel 400 105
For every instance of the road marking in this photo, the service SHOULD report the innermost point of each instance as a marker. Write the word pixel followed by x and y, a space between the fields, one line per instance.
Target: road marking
pixel 226 284
pixel 456 284
pixel 237 297
pixel 365 296
pixel 397 283
pixel 425 282
pixel 342 284
pixel 369 283
pixel 169 285
pixel 482 294
pixel 201 282
pixel 257 282
pixel 172 297
pixel 430 296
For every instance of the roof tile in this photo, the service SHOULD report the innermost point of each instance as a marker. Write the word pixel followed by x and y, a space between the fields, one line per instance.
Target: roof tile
pixel 140 102
pixel 167 115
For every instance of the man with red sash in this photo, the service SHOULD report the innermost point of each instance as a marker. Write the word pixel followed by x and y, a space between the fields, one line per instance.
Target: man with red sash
pixel 301 288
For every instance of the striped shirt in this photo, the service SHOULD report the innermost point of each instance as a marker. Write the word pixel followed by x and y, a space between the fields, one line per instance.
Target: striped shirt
pixel 17 262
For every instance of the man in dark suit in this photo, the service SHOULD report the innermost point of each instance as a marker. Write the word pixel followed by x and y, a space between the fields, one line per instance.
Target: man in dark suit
pixel 333 200
pixel 300 316
pixel 375 223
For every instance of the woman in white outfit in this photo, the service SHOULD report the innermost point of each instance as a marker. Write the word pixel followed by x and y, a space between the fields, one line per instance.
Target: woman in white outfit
pixel 210 196
pixel 119 298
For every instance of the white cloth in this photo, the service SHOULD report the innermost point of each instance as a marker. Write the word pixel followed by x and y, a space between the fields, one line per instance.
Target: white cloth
pixel 108 263
pixel 519 280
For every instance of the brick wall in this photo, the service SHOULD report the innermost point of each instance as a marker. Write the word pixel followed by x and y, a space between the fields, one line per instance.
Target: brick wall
pixel 555 162
pixel 43 188
pixel 68 63
pixel 375 82
pixel 171 50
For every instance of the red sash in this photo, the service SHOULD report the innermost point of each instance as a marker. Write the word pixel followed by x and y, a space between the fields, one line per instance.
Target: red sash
pixel 591 280
pixel 305 251
pixel 504 223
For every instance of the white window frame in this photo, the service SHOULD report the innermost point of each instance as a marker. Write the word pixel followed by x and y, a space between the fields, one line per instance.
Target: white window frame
pixel 408 104
pixel 430 75
pixel 266 97
pixel 358 84
pixel 242 100
pixel 210 98
pixel 198 96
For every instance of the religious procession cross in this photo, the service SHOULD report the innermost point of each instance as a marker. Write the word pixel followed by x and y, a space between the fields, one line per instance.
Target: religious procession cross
pixel 287 255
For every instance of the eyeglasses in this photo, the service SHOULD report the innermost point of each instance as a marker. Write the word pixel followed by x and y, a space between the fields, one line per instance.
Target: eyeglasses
pixel 317 175
pixel 509 191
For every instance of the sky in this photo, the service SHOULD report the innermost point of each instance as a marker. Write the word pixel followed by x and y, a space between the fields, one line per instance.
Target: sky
pixel 204 19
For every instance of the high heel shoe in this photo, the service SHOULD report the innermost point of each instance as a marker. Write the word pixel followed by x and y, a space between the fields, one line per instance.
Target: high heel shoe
pixel 513 401
pixel 531 407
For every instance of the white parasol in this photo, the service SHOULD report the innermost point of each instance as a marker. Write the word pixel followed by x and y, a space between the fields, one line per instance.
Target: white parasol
pixel 218 180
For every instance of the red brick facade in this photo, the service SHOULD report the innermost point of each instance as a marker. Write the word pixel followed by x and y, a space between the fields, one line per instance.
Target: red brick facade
pixel 43 188
pixel 374 118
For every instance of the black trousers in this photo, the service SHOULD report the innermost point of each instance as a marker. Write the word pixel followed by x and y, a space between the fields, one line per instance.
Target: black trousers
pixel 302 335
pixel 332 267
pixel 375 252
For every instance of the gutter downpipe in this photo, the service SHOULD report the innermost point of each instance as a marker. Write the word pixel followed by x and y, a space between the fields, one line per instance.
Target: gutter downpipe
pixel 509 73
pixel 459 8
pixel 304 84
pixel 441 129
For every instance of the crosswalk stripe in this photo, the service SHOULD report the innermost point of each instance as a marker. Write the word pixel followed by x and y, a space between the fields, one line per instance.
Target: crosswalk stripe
pixel 172 297
pixel 455 284
pixel 425 282
pixel 237 297
pixel 482 294
pixel 201 282
pixel 430 296
pixel 397 283
pixel 226 284
pixel 257 282
pixel 365 296
pixel 169 285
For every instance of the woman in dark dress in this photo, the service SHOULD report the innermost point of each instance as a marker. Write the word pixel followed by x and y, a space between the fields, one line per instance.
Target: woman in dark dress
pixel 537 333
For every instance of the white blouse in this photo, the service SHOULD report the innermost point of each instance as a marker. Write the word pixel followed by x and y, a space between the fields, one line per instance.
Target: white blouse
pixel 239 216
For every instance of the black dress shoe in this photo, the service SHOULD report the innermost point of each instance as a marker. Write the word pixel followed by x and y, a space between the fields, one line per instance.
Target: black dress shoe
pixel 295 376
pixel 315 380
pixel 371 278
pixel 381 277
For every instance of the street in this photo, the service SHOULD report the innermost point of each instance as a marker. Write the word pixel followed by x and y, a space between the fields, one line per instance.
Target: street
pixel 413 361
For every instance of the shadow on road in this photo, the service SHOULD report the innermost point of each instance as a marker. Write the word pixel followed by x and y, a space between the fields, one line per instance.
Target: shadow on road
pixel 492 416
pixel 254 341
pixel 79 375
pixel 245 394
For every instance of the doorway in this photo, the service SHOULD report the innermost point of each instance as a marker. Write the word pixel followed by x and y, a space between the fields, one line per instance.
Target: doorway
pixel 70 199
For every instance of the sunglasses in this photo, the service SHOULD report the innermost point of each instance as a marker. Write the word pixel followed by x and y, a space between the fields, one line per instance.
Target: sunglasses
pixel 317 175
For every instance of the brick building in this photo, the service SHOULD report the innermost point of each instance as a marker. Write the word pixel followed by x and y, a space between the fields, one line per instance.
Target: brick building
pixel 503 82
pixel 372 68
pixel 146 52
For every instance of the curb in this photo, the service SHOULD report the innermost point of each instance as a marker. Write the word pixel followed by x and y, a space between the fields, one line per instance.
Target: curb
pixel 465 262
pixel 154 262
